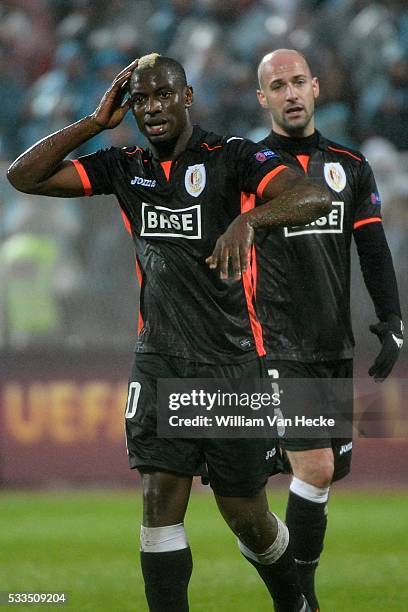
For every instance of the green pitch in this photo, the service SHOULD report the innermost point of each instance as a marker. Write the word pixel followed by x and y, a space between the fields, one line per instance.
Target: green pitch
pixel 86 544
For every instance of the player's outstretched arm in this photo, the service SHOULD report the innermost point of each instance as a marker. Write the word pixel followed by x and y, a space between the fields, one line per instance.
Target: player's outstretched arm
pixel 42 170
pixel 291 200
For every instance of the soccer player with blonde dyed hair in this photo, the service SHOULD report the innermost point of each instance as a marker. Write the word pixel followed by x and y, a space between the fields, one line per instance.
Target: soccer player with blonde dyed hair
pixel 181 199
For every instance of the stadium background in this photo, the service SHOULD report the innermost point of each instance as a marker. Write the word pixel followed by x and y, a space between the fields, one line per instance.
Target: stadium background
pixel 68 291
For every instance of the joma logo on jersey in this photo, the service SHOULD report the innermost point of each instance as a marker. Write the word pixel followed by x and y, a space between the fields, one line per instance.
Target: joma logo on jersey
pixel 180 223
pixel 270 453
pixel 138 180
pixel 331 224
pixel 345 448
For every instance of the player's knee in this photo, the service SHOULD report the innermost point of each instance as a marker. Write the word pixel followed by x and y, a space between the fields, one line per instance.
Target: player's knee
pixel 267 553
pixel 253 530
pixel 320 475
pixel 165 499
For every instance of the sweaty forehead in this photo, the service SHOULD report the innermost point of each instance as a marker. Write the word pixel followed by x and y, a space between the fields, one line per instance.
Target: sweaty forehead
pixel 282 68
pixel 152 78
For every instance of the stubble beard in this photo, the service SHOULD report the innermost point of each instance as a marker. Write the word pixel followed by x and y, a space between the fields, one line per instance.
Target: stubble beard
pixel 295 129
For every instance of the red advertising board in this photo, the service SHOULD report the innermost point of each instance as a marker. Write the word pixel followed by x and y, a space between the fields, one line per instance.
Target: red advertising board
pixel 61 423
pixel 61 419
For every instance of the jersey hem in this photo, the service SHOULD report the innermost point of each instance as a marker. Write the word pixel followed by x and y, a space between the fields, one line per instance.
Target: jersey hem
pixel 308 357
pixel 200 358
pixel 159 466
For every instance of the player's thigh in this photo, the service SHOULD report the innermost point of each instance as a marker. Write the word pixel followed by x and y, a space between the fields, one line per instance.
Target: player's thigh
pixel 146 450
pixel 320 460
pixel 165 497
pixel 328 461
pixel 316 461
pixel 240 467
pixel 314 466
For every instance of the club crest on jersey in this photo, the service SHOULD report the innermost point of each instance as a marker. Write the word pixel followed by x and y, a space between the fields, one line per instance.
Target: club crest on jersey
pixel 335 176
pixel 195 179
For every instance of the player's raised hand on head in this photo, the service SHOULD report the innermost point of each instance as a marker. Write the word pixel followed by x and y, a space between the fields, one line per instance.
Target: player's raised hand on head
pixel 112 108
pixel 231 251
pixel 390 334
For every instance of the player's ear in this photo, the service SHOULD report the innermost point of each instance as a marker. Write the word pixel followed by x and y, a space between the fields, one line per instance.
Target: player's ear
pixel 261 98
pixel 315 87
pixel 188 96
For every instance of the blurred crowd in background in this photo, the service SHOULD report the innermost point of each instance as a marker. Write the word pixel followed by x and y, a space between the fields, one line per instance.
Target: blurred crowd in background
pixel 66 267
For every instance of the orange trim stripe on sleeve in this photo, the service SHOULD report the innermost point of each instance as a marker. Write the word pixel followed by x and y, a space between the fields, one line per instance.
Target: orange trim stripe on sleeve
pixel 267 178
pixel 86 183
pixel 365 221
pixel 345 152
pixel 249 282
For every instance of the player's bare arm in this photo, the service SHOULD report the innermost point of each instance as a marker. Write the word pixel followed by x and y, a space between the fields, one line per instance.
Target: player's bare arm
pixel 292 200
pixel 43 170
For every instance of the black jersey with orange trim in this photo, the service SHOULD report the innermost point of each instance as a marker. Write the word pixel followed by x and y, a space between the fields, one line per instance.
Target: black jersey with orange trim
pixel 303 275
pixel 175 212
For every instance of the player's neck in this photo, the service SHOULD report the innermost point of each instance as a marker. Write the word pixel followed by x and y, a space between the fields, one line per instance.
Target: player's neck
pixel 296 146
pixel 167 151
pixel 305 132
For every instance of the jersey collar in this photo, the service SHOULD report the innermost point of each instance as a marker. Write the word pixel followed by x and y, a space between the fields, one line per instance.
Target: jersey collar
pixel 194 143
pixel 295 145
pixel 197 138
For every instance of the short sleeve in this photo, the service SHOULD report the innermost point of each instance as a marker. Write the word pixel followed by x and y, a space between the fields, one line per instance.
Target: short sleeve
pixel 97 171
pixel 368 200
pixel 253 165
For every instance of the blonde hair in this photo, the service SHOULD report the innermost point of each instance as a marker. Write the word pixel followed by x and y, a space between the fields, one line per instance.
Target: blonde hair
pixel 147 61
pixel 155 59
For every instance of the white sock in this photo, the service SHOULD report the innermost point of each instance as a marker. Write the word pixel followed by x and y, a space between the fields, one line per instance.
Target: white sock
pixel 308 491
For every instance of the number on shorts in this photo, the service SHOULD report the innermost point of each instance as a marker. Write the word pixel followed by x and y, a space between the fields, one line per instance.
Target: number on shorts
pixel 273 373
pixel 133 398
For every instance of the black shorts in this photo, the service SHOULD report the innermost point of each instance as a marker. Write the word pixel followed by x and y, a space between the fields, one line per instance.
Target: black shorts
pixel 342 447
pixel 234 467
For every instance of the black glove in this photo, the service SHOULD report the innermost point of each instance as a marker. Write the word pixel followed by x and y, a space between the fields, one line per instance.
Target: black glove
pixel 390 334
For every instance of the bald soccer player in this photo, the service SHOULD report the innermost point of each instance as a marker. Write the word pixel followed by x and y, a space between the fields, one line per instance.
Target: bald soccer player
pixel 177 197
pixel 303 290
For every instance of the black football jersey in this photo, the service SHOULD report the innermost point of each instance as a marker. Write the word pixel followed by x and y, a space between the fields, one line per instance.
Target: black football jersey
pixel 303 273
pixel 175 212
